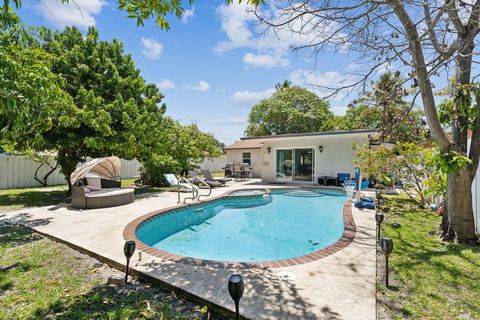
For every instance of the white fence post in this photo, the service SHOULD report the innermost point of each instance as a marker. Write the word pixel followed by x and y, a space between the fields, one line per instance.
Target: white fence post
pixel 476 200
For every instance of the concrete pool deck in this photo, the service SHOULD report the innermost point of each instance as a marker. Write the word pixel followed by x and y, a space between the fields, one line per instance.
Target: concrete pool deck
pixel 338 286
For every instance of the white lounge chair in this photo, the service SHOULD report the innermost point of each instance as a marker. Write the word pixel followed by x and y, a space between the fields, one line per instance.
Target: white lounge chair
pixel 182 183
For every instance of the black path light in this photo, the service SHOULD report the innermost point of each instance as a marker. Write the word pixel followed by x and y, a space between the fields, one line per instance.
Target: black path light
pixel 235 288
pixel 387 247
pixel 378 195
pixel 128 249
pixel 379 218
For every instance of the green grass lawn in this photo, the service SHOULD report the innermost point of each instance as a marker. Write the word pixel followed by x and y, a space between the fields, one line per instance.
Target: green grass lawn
pixel 431 279
pixel 218 174
pixel 51 281
pixel 13 199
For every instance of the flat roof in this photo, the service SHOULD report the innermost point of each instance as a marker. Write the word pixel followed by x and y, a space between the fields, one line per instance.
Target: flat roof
pixel 308 134
pixel 255 142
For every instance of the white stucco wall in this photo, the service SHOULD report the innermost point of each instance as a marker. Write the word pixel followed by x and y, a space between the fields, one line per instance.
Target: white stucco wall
pixel 256 159
pixel 337 155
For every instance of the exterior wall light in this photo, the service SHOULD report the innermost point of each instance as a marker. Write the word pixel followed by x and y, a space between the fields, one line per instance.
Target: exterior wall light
pixel 128 250
pixel 235 289
pixel 320 148
pixel 269 149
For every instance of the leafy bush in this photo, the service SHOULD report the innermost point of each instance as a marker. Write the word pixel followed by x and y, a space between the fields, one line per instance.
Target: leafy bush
pixel 155 167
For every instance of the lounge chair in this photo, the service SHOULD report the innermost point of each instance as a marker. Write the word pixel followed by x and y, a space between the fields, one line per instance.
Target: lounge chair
pixel 193 173
pixel 95 185
pixel 182 183
pixel 110 194
pixel 208 175
pixel 199 182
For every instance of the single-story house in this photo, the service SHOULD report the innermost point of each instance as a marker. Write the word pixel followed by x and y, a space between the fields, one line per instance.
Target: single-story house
pixel 298 157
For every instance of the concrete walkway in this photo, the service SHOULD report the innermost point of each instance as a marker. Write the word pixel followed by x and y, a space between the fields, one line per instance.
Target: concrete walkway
pixel 339 286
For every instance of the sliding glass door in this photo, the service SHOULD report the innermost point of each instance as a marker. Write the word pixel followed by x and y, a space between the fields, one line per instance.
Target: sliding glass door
pixel 295 165
pixel 284 165
pixel 303 169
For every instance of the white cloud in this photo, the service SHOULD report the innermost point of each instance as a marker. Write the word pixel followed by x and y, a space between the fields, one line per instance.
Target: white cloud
pixel 240 27
pixel 151 48
pixel 166 84
pixel 201 86
pixel 321 79
pixel 323 83
pixel 187 15
pixel 264 60
pixel 251 97
pixel 80 13
pixel 235 19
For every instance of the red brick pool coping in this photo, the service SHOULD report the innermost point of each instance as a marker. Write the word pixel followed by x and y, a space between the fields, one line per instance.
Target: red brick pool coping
pixel 347 238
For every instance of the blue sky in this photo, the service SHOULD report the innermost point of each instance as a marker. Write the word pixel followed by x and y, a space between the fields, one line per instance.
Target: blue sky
pixel 212 65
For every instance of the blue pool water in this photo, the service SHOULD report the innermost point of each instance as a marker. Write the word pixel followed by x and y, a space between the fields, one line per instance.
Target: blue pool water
pixel 282 225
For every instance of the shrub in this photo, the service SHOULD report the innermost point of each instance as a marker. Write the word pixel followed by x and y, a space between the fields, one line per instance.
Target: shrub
pixel 155 167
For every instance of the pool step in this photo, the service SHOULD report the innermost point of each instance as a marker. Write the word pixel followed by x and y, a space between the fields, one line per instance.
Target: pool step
pixel 201 227
pixel 303 193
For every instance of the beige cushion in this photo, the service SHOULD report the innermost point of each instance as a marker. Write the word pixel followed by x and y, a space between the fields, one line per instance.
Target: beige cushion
pixel 109 192
pixel 94 183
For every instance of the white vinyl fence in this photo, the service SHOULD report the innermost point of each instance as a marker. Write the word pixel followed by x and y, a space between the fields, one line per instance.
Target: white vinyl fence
pixel 476 196
pixel 476 199
pixel 19 172
pixel 215 164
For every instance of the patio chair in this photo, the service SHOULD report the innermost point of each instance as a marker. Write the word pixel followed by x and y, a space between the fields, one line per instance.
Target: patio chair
pixel 182 183
pixel 208 176
pixel 199 181
pixel 193 173
pixel 342 177
pixel 237 170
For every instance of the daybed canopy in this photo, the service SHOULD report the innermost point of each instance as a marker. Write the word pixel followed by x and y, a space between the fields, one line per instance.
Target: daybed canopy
pixel 107 168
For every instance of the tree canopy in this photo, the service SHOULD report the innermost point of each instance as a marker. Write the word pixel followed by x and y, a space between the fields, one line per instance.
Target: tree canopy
pixel 385 109
pixel 94 104
pixel 424 40
pixel 183 148
pixel 290 110
pixel 158 10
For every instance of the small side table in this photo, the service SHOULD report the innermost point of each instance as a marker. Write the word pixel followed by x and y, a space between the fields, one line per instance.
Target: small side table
pixel 331 181
pixel 321 180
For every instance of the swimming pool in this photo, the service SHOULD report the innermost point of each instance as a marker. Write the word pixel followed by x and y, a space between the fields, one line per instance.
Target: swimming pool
pixel 283 224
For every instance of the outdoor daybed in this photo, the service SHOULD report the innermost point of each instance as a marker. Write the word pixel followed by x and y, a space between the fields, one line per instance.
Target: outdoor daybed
pixel 94 185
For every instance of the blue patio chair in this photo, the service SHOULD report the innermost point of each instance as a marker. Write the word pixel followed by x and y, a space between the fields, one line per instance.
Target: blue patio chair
pixel 342 177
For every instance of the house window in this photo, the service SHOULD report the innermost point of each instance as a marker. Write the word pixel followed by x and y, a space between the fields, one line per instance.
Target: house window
pixel 247 158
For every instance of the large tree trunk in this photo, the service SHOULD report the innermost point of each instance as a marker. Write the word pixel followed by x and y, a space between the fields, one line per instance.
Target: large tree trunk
pixel 459 183
pixel 459 192
pixel 459 207
pixel 68 163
